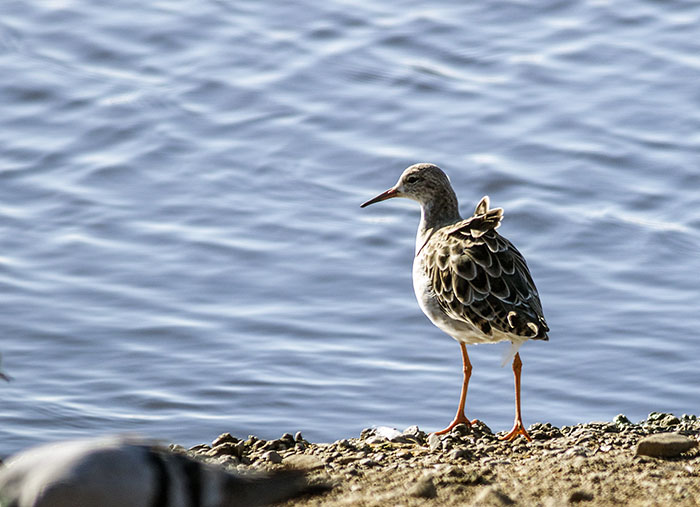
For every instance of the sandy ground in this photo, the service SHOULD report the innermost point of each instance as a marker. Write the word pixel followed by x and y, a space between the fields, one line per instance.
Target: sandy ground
pixel 593 464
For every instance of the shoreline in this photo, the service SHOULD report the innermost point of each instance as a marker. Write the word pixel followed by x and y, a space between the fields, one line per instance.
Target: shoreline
pixel 595 463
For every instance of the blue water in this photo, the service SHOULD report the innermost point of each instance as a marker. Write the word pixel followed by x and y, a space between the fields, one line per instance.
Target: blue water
pixel 182 251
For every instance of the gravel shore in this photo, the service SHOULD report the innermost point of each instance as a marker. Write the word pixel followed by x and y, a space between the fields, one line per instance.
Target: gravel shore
pixel 652 462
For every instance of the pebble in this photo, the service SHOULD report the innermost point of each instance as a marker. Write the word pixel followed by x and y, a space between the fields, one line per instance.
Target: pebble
pixel 664 445
pixel 434 442
pixel 272 457
pixel 580 495
pixel 224 438
pixel 424 488
pixel 460 454
pixel 273 445
pixel 387 433
pixel 461 429
pixel 303 462
pixel 225 449
pixel 412 430
pixel 621 419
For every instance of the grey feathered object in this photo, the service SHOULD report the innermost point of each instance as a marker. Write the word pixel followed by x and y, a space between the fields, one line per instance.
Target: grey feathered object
pixel 132 472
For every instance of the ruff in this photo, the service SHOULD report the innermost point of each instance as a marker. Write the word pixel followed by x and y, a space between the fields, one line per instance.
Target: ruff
pixel 470 281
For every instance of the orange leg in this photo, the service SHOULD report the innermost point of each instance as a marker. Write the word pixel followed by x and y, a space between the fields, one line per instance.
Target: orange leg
pixel 518 426
pixel 460 418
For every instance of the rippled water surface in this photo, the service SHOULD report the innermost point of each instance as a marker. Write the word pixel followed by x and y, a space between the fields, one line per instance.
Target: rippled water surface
pixel 182 248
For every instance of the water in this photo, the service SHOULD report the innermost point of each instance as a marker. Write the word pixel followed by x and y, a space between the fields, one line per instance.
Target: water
pixel 183 251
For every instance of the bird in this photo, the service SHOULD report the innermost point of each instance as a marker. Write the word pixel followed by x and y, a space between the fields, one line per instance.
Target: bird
pixel 470 281
pixel 127 470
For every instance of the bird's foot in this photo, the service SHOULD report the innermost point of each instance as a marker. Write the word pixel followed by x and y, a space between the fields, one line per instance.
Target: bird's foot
pixel 460 419
pixel 518 429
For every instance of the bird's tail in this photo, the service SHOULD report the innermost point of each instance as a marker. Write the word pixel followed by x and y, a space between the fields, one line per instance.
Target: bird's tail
pixel 485 218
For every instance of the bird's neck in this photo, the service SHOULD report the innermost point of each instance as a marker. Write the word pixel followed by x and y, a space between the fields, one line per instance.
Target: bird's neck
pixel 435 214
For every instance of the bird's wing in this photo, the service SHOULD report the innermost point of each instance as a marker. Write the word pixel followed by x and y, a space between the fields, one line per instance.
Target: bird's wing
pixel 479 277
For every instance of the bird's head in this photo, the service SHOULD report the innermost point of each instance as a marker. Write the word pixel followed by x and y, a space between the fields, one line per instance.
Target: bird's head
pixel 421 182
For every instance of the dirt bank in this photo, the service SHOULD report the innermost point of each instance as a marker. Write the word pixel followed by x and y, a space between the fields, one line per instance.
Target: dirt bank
pixel 593 464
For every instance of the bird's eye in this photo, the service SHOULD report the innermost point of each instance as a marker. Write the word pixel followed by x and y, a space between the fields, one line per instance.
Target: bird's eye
pixel 411 179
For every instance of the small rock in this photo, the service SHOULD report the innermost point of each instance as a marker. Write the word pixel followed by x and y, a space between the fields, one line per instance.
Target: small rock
pixel 225 449
pixel 367 462
pixel 424 488
pixel 460 454
pixel 342 444
pixel 298 437
pixel 200 448
pixel 272 457
pixel 492 496
pixel 224 438
pixel 412 430
pixel 434 442
pixel 669 420
pixel 480 428
pixel 386 432
pixel 447 444
pixel 664 445
pixel 460 430
pixel 288 438
pixel 366 433
pixel 621 419
pixel 580 495
pixel 273 445
pixel 303 462
pixel 344 460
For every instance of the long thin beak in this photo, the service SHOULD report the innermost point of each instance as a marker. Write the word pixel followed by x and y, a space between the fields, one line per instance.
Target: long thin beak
pixel 392 192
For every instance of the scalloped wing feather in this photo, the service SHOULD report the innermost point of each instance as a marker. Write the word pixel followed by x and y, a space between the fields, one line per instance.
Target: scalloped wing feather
pixel 483 279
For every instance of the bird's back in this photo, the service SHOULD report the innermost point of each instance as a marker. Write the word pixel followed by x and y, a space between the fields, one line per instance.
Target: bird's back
pixel 479 281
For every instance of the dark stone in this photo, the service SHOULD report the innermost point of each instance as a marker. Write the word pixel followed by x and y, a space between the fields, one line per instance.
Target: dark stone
pixel 580 496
